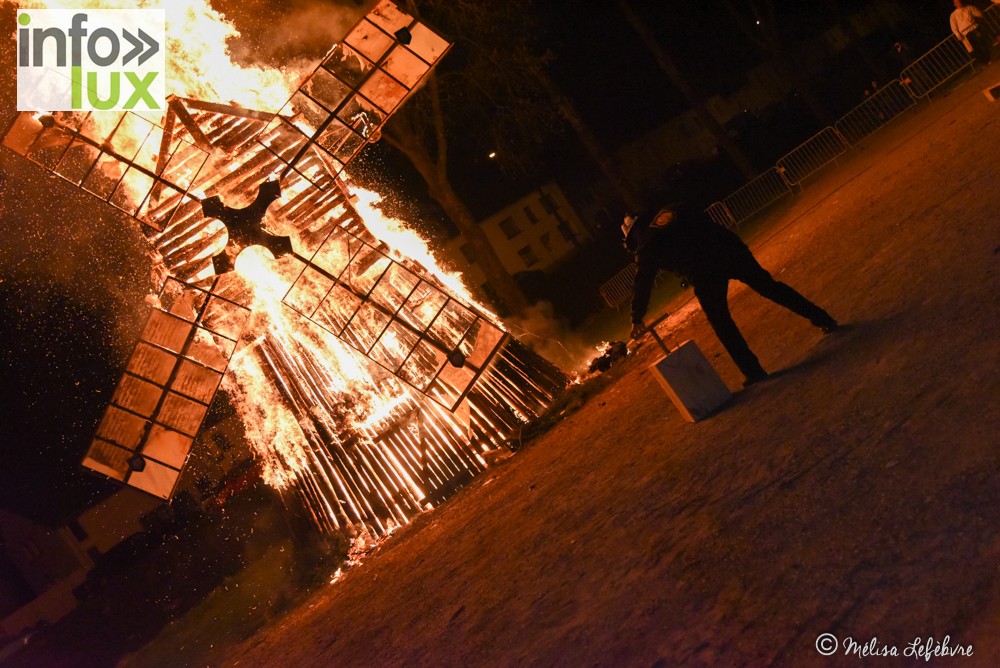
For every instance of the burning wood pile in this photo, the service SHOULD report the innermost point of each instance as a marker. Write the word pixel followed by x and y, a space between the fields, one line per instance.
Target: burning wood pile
pixel 370 384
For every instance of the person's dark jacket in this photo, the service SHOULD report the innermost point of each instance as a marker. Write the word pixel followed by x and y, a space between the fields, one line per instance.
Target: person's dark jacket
pixel 692 246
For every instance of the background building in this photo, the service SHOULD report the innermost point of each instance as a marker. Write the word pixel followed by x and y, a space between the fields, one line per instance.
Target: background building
pixel 531 234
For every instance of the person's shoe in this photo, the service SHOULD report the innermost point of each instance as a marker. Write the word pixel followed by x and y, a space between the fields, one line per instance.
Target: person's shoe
pixel 827 326
pixel 755 377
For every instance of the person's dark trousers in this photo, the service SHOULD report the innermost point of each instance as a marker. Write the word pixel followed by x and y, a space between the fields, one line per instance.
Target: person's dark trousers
pixel 712 294
pixel 748 270
pixel 981 46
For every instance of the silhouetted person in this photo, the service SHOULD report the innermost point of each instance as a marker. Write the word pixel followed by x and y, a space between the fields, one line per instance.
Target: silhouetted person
pixel 965 25
pixel 902 53
pixel 688 243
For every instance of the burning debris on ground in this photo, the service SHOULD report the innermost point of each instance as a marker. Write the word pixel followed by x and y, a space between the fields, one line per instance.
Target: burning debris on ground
pixel 612 352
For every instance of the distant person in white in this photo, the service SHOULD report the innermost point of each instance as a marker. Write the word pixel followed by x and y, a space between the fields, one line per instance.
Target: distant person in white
pixel 965 26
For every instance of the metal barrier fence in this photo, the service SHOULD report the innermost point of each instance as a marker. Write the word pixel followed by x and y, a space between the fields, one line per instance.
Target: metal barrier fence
pixel 618 290
pixel 924 75
pixel 755 196
pixel 808 158
pixel 875 112
pixel 992 21
pixel 718 212
pixel 936 67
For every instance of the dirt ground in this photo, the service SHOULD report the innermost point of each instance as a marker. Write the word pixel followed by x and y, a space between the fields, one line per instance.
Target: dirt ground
pixel 856 493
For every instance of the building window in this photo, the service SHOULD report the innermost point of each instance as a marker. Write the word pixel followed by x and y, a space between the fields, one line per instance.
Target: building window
pixel 509 227
pixel 528 255
pixel 548 203
pixel 77 530
pixel 546 240
pixel 566 232
pixel 530 215
pixel 467 253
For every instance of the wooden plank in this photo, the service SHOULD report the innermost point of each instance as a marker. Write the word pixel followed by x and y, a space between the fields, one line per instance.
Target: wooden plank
pixel 164 155
pixel 184 116
pixel 228 109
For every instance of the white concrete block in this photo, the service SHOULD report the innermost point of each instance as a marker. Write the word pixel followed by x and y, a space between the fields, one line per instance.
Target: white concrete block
pixel 691 382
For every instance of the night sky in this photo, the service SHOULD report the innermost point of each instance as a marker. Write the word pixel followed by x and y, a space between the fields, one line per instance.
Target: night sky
pixel 73 272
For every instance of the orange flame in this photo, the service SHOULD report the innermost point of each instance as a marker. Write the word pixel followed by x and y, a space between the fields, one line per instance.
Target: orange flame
pixel 407 242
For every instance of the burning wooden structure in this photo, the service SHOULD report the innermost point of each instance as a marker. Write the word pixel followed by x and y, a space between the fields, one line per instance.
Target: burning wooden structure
pixel 393 386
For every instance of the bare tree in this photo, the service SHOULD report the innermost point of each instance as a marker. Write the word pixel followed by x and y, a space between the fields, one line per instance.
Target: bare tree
pixel 488 93
pixel 759 22
pixel 693 96
pixel 845 25
pixel 595 149
pixel 428 152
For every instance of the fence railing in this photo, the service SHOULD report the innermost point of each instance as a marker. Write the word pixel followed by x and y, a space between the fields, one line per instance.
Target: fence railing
pixel 888 102
pixel 992 21
pixel 811 156
pixel 926 74
pixel 763 191
pixel 618 290
pixel 936 67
